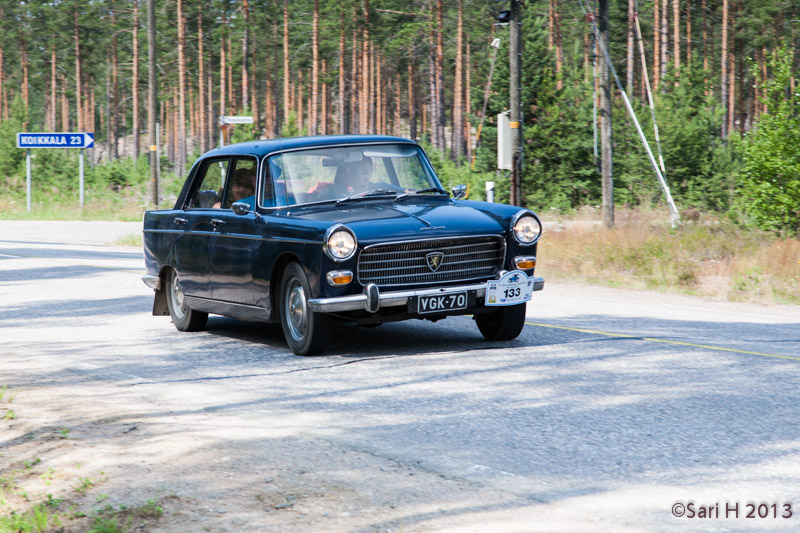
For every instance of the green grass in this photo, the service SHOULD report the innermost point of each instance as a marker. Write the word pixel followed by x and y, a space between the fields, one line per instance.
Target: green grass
pixel 134 239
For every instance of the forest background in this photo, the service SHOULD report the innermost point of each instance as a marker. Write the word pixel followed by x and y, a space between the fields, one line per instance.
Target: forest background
pixel 722 74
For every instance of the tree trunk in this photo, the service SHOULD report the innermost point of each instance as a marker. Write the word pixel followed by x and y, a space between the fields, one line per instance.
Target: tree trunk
pixel 51 115
pixel 705 45
pixel 458 88
pixel 340 121
pixel 323 120
pixel 246 56
pixel 363 111
pixel 181 130
pixel 78 103
pixel 676 39
pixel 314 106
pixel 656 45
pixel 201 111
pixel 559 46
pixel 286 74
pixel 412 108
pixel 64 106
pixel 664 40
pixel 631 45
pixel 23 58
pixel 355 87
pixel 689 34
pixel 113 104
pixel 440 119
pixel 223 78
pixel 724 68
pixel 468 103
pixel 135 79
pixel 732 74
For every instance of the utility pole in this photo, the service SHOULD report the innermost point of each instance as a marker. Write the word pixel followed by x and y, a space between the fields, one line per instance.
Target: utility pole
pixel 152 99
pixel 606 152
pixel 515 63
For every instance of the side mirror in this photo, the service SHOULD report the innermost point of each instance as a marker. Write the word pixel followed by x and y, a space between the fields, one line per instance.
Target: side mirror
pixel 459 191
pixel 241 208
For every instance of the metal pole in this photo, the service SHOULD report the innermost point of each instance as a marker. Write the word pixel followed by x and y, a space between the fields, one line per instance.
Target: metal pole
pixel 28 178
pixel 80 166
pixel 606 151
pixel 490 191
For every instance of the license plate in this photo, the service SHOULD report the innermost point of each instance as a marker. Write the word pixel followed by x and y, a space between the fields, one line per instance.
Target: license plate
pixel 513 288
pixel 442 302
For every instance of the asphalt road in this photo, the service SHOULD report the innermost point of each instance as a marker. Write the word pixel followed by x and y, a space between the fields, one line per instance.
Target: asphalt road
pixel 609 409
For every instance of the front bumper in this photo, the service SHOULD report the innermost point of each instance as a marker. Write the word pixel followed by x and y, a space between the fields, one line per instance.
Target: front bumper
pixel 372 299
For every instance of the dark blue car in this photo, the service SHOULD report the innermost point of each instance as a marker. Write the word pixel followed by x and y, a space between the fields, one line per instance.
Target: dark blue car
pixel 314 231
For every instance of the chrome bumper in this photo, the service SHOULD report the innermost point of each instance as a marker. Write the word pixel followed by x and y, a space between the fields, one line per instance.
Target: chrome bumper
pixel 372 299
pixel 154 282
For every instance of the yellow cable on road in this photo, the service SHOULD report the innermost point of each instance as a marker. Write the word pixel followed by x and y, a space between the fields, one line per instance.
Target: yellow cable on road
pixel 651 339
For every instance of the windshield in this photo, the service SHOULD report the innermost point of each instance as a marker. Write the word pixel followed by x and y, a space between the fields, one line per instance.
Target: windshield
pixel 323 174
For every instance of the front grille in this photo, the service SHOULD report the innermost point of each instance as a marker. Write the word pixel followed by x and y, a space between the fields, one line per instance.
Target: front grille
pixel 401 264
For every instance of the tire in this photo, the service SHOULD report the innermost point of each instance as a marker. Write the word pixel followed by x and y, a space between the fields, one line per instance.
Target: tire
pixel 184 317
pixel 306 332
pixel 502 324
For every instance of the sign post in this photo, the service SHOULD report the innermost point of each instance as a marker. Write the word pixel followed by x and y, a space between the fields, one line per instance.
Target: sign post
pixel 53 140
pixel 225 120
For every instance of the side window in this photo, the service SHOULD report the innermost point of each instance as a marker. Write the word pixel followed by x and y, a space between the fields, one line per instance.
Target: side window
pixel 241 185
pixel 212 177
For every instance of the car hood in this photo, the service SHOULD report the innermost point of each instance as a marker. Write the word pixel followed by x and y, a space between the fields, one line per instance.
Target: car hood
pixel 379 222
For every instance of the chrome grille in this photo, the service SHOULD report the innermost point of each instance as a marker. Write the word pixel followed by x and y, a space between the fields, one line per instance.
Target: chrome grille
pixel 471 258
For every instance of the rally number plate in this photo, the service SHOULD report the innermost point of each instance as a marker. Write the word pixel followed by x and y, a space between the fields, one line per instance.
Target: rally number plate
pixel 444 302
pixel 513 288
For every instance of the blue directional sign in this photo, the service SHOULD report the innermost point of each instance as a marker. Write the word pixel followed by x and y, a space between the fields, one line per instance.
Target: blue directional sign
pixel 55 140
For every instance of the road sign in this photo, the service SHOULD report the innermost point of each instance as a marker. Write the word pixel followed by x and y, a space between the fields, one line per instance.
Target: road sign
pixel 55 140
pixel 235 120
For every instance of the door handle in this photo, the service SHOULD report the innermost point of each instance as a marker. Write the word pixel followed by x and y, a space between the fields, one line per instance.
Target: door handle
pixel 217 222
pixel 180 221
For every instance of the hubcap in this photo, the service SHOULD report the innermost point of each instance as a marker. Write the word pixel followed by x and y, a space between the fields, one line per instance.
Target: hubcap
pixel 296 311
pixel 178 301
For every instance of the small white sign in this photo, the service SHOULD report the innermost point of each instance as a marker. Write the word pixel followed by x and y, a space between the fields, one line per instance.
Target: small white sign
pixel 235 120
pixel 513 288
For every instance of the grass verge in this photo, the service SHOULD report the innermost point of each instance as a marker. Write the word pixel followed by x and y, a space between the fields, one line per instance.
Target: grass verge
pixel 708 258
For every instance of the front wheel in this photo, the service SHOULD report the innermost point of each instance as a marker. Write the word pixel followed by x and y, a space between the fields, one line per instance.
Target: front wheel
pixel 502 324
pixel 306 332
pixel 184 317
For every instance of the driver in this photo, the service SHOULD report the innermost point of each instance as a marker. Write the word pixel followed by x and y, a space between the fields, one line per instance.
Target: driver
pixel 356 176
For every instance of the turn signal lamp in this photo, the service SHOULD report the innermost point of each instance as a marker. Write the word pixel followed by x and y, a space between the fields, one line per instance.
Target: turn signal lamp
pixel 339 277
pixel 525 262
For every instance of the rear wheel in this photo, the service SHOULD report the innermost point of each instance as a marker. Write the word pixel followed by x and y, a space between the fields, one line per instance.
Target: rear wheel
pixel 306 332
pixel 184 317
pixel 502 324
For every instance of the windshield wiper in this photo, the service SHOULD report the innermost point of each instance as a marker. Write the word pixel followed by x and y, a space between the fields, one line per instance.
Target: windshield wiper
pixel 423 191
pixel 367 194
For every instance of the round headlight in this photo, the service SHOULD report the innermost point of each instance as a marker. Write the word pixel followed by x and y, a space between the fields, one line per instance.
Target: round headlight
pixel 527 229
pixel 341 245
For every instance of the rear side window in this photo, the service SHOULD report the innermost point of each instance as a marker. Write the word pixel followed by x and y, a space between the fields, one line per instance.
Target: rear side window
pixel 212 179
pixel 241 184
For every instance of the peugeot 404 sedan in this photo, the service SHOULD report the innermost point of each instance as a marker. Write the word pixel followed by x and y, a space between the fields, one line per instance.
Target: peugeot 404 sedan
pixel 314 231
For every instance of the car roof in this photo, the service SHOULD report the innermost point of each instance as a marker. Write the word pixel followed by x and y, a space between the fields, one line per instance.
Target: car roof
pixel 268 146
